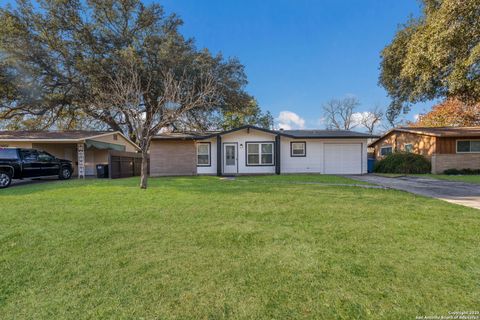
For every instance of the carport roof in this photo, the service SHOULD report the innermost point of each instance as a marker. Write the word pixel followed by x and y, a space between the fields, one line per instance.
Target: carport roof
pixel 51 135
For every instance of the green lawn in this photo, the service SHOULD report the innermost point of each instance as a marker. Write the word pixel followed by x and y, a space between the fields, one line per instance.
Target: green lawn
pixel 252 248
pixel 299 179
pixel 461 178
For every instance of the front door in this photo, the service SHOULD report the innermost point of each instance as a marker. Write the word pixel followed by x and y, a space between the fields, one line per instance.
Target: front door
pixel 230 158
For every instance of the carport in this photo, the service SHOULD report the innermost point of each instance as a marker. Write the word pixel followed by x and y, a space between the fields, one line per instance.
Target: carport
pixel 86 149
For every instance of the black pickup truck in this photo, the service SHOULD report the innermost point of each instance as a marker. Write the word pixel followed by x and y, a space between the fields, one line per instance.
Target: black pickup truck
pixel 18 163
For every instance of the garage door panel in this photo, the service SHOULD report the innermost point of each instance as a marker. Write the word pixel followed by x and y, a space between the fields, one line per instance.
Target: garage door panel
pixel 343 158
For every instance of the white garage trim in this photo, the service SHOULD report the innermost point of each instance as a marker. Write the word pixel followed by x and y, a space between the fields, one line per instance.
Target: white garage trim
pixel 343 158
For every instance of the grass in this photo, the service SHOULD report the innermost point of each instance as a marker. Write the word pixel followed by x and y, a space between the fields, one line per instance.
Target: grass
pixel 462 178
pixel 205 248
pixel 299 179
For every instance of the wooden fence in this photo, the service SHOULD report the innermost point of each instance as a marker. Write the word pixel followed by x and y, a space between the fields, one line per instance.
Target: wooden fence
pixel 124 164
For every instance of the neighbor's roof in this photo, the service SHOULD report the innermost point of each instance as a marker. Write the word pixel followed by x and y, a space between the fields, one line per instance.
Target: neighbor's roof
pixel 298 134
pixel 443 131
pixel 51 135
pixel 184 135
pixel 436 132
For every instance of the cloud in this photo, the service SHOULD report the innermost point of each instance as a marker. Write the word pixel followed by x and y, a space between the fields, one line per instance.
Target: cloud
pixel 290 120
pixel 358 116
pixel 416 117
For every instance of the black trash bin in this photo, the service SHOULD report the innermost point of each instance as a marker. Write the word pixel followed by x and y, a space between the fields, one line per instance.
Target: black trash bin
pixel 102 170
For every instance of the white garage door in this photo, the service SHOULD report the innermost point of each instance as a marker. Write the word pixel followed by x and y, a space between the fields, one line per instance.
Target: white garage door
pixel 343 158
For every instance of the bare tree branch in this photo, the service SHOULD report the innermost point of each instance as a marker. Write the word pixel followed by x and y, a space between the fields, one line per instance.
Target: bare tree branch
pixel 126 96
pixel 339 113
pixel 371 119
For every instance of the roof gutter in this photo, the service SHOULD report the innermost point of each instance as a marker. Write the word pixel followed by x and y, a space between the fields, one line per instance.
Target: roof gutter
pixel 273 132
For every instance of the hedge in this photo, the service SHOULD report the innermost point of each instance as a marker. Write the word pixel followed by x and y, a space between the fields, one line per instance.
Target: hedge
pixel 462 171
pixel 403 162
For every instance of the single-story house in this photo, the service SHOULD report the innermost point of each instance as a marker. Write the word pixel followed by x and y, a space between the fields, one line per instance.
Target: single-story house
pixel 85 149
pixel 253 150
pixel 446 147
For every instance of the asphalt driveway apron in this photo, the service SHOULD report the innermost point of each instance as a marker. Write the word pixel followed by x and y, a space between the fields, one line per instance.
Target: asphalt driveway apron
pixel 466 194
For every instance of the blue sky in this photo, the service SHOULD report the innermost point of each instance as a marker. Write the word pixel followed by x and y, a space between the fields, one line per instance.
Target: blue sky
pixel 299 54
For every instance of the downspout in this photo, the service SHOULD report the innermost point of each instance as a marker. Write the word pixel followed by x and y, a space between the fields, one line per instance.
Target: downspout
pixel 277 154
pixel 219 156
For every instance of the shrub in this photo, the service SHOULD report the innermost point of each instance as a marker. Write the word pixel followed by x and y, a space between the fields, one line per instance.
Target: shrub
pixel 452 172
pixel 462 171
pixel 403 162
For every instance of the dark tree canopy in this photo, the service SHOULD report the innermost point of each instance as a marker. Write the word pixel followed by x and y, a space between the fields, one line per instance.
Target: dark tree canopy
pixel 59 54
pixel 435 56
pixel 250 115
pixel 232 116
pixel 110 63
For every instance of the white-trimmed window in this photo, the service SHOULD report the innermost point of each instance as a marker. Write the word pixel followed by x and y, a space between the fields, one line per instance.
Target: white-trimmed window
pixel 384 151
pixel 298 149
pixel 468 146
pixel 408 147
pixel 203 154
pixel 259 153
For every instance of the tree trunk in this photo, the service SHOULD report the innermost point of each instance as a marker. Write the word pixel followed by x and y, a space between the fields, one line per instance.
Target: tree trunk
pixel 144 170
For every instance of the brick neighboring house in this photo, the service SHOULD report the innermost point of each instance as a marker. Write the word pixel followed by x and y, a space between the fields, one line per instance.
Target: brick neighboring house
pixel 445 147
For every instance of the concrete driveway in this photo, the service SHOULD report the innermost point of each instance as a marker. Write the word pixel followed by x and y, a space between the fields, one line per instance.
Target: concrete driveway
pixel 462 193
pixel 18 183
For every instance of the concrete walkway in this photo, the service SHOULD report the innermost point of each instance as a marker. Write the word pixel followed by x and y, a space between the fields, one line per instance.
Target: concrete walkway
pixel 466 194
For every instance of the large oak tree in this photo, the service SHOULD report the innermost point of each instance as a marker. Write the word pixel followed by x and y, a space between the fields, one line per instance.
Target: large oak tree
pixel 109 63
pixel 435 56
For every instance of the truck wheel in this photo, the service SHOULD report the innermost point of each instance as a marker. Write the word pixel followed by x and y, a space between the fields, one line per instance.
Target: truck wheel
pixel 65 174
pixel 5 179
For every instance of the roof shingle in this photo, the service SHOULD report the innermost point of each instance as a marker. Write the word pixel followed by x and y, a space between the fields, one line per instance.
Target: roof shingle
pixel 184 135
pixel 325 134
pixel 300 134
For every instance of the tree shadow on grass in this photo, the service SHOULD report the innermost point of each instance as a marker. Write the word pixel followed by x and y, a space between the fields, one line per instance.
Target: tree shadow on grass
pixel 190 184
pixel 31 186
pixel 37 185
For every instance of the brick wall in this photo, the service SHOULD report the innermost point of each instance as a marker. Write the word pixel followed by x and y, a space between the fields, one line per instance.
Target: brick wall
pixel 424 145
pixel 441 162
pixel 172 158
